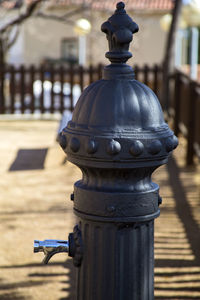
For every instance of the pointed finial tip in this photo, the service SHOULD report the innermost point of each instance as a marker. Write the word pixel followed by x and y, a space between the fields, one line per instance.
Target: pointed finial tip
pixel 120 5
pixel 119 29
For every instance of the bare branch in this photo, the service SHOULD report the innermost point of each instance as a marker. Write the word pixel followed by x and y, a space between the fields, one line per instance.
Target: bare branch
pixel 22 17
pixel 76 11
pixel 54 17
pixel 63 18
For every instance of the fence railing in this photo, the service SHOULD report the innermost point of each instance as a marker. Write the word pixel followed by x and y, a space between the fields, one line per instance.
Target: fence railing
pixel 45 89
pixel 49 89
pixel 185 110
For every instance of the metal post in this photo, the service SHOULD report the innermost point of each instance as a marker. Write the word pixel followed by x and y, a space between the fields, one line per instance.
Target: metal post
pixel 82 50
pixel 178 49
pixel 117 137
pixel 194 46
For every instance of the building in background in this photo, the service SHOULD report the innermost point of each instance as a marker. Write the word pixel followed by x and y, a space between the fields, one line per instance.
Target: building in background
pixel 48 39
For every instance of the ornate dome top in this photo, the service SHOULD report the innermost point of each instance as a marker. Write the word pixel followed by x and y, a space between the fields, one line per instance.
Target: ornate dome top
pixel 118 119
pixel 125 107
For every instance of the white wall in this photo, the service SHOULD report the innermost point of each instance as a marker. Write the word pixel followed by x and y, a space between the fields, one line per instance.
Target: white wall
pixel 147 46
pixel 16 54
pixel 41 38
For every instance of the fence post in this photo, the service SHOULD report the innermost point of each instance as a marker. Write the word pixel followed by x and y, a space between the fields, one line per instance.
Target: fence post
pixel 155 73
pixel 22 88
pixel 42 88
pixel 115 201
pixel 31 83
pixel 61 89
pixel 52 78
pixel 100 67
pixel 177 102
pixel 12 89
pixel 91 74
pixel 2 95
pixel 191 124
pixel 136 71
pixel 146 74
pixel 71 72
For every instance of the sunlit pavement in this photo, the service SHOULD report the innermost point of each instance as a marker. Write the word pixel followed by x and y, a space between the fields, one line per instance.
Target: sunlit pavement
pixel 35 204
pixel 177 232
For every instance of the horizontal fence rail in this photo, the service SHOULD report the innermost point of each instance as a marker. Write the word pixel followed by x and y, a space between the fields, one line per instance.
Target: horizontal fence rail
pixel 49 89
pixel 56 89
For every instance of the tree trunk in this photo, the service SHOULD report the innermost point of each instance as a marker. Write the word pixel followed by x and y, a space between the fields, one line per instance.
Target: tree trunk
pixel 2 56
pixel 168 64
pixel 2 64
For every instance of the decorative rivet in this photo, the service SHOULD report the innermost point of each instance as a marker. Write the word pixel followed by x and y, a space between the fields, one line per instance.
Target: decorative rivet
pixel 114 147
pixel 175 140
pixel 136 148
pixel 74 144
pixel 155 147
pixel 169 145
pixel 91 147
pixel 62 140
pixel 111 208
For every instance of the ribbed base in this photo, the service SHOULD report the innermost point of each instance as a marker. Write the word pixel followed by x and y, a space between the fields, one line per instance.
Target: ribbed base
pixel 118 261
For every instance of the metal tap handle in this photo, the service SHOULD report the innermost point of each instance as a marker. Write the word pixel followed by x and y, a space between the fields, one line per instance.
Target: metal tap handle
pixel 50 247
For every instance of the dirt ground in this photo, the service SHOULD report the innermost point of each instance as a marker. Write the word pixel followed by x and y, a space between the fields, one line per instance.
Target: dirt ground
pixel 35 204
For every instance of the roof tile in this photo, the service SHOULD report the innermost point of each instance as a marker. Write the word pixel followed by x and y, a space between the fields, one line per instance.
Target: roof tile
pixel 105 4
pixel 111 4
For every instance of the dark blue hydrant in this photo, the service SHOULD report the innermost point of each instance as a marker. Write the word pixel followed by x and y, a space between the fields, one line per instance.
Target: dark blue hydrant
pixel 117 137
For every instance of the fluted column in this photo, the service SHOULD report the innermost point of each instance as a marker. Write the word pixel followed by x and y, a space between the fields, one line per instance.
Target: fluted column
pixel 118 261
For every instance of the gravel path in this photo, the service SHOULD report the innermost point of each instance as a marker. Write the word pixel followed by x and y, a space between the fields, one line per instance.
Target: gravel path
pixel 34 204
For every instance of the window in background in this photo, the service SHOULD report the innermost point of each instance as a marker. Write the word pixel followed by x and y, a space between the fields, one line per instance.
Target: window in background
pixel 69 50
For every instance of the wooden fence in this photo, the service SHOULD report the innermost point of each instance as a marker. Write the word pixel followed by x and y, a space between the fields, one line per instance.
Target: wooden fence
pixel 30 90
pixel 185 110
pixel 55 89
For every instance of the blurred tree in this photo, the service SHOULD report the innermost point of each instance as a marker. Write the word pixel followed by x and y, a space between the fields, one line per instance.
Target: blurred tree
pixel 15 12
pixel 168 64
pixel 12 15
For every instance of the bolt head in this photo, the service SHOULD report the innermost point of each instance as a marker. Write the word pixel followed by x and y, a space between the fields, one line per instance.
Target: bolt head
pixel 91 147
pixel 114 147
pixel 136 148
pixel 74 144
pixel 155 147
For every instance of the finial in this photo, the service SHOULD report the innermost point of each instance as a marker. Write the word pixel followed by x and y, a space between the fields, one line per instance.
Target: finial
pixel 119 30
pixel 120 6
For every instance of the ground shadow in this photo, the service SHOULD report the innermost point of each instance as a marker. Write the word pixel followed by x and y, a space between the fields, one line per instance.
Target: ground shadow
pixel 180 279
pixel 183 209
pixel 9 290
pixel 29 159
pixel 71 291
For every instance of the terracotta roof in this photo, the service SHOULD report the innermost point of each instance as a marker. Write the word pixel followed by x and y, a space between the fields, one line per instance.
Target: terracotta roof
pixel 111 4
pixel 8 4
pixel 102 4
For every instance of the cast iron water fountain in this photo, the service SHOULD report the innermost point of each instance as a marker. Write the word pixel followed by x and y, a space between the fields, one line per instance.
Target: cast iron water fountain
pixel 117 137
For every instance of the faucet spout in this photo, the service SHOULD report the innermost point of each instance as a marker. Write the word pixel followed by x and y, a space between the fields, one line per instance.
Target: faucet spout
pixel 50 248
pixel 74 247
